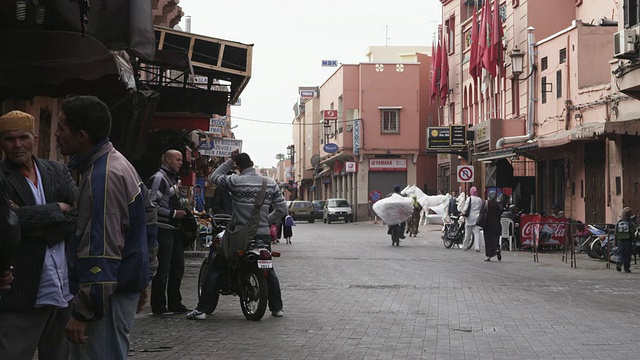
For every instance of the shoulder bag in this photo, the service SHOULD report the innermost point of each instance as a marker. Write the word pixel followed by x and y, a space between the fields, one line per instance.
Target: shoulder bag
pixel 237 237
pixel 482 216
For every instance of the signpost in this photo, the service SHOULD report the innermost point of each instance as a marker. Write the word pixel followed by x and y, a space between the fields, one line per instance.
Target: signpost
pixel 375 195
pixel 465 173
pixel 215 146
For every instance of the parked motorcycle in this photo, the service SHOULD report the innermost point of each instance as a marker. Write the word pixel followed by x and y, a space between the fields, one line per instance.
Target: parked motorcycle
pixel 244 276
pixel 453 233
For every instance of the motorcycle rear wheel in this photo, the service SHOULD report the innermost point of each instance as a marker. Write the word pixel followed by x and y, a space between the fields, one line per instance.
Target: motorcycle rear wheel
pixel 254 296
pixel 201 278
pixel 597 252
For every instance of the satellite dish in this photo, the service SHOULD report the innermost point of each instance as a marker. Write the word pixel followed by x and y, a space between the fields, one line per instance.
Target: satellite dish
pixel 315 160
pixel 177 27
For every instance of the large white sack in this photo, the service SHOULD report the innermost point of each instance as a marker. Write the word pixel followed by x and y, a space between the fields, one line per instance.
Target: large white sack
pixel 394 209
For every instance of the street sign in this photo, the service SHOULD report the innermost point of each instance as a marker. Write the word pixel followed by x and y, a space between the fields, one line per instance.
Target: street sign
pixel 375 195
pixel 215 146
pixel 465 173
pixel 447 137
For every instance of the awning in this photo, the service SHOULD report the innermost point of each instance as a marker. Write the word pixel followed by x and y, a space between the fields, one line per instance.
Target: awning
pixel 584 132
pixel 119 24
pixel 332 158
pixel 504 153
pixel 56 63
pixel 627 127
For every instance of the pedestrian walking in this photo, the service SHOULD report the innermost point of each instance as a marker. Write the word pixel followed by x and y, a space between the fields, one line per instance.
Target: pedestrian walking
pixel 112 252
pixel 34 310
pixel 414 221
pixel 289 223
pixel 492 228
pixel 625 231
pixel 471 210
pixel 164 194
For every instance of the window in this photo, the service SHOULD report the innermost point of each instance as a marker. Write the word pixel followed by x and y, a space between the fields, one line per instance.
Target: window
pixel 450 25
pixel 390 121
pixel 559 84
pixel 544 63
pixel 562 55
pixel 631 10
pixel 544 89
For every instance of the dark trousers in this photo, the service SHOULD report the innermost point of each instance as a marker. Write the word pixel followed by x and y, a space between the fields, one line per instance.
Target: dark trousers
pixel 625 247
pixel 170 272
pixel 211 286
pixel 21 333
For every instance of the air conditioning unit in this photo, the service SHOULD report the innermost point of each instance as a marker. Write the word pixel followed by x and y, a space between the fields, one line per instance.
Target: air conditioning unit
pixel 625 44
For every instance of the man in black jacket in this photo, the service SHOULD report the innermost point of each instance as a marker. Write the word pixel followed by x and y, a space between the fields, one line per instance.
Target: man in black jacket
pixel 10 230
pixel 34 312
pixel 164 194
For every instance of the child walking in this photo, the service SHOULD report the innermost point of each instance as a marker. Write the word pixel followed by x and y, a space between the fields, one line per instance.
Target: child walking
pixel 288 228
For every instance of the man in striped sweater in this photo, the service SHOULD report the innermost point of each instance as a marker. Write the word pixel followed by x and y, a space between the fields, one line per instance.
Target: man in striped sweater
pixel 244 190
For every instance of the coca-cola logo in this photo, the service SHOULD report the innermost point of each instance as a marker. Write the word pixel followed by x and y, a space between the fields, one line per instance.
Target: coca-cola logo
pixel 556 230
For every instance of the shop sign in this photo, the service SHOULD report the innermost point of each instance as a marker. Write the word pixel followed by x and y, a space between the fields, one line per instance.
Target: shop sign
pixel 356 137
pixel 387 164
pixel 350 166
pixel 447 137
pixel 330 148
pixel 329 115
pixel 216 146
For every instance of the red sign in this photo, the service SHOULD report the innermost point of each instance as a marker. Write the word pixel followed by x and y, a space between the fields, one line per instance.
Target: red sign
pixel 329 115
pixel 375 195
pixel 545 230
pixel 387 164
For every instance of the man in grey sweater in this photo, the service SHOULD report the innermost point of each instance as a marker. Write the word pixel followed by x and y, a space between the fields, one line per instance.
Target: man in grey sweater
pixel 244 190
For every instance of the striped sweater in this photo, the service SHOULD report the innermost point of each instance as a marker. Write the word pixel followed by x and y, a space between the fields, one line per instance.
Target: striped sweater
pixel 244 190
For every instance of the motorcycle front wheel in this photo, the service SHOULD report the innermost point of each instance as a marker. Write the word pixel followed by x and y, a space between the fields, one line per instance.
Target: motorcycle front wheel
pixel 254 296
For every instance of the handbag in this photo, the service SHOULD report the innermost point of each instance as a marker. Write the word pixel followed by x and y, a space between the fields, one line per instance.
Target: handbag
pixel 467 212
pixel 237 237
pixel 482 217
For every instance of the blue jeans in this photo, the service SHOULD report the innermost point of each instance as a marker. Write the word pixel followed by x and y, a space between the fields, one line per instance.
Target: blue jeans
pixel 108 338
pixel 625 247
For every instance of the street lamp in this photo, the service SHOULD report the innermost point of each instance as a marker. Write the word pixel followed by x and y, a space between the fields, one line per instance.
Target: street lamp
pixel 517 62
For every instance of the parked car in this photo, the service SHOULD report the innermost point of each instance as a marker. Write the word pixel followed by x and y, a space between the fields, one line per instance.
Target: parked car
pixel 435 214
pixel 301 210
pixel 337 209
pixel 318 205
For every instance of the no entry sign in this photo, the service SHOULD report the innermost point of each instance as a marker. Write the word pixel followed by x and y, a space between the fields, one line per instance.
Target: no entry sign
pixel 465 173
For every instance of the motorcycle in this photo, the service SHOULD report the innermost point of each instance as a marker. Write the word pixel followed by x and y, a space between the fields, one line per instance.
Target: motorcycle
pixel 453 233
pixel 245 276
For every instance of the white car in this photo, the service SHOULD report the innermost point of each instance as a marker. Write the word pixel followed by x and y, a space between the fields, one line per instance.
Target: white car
pixel 435 214
pixel 337 209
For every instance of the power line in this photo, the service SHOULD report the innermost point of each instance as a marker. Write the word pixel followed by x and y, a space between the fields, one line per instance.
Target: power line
pixel 281 123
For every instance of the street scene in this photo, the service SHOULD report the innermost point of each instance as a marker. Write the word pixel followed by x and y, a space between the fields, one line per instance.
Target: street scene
pixel 348 294
pixel 268 179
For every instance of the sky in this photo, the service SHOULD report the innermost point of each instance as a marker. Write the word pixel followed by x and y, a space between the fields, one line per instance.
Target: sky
pixel 291 38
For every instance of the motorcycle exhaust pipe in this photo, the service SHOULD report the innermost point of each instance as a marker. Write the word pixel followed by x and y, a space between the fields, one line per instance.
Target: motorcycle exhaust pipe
pixel 251 257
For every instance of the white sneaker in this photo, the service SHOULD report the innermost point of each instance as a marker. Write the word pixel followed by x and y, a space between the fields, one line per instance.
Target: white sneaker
pixel 196 315
pixel 278 313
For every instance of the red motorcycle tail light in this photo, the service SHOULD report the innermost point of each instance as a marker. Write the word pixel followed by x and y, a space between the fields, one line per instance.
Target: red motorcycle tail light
pixel 275 254
pixel 265 254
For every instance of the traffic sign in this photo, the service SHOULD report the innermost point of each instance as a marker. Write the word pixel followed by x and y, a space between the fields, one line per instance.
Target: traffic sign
pixel 375 195
pixel 465 173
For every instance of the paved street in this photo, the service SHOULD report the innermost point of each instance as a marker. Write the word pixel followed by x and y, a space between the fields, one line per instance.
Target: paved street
pixel 348 294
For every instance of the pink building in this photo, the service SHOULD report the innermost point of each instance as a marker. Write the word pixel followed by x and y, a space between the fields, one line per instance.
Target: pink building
pixel 559 131
pixel 379 136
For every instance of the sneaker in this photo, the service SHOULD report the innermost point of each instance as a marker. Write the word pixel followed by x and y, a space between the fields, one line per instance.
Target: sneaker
pixel 618 268
pixel 487 259
pixel 196 315
pixel 499 256
pixel 181 309
pixel 627 270
pixel 277 313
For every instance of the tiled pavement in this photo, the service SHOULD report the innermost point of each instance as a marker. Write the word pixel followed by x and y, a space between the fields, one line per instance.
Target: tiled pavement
pixel 349 295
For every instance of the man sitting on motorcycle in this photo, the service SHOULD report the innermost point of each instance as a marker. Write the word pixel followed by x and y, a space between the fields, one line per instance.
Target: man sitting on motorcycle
pixel 244 190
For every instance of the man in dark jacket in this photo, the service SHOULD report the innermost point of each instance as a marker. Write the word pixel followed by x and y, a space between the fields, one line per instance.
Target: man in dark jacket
pixel 112 253
pixel 34 311
pixel 163 189
pixel 10 230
